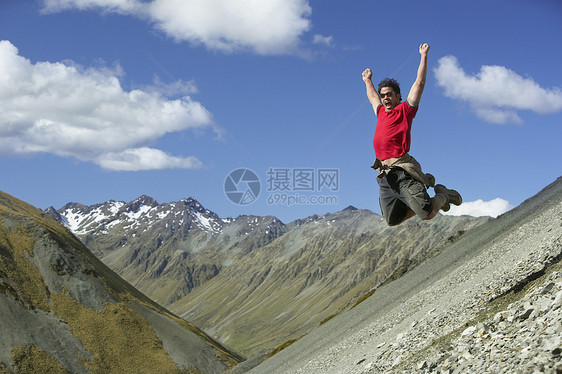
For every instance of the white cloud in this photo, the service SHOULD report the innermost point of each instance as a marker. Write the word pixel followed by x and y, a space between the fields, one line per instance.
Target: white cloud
pixel 321 39
pixel 119 6
pixel 496 93
pixel 478 208
pixel 145 159
pixel 69 111
pixel 263 26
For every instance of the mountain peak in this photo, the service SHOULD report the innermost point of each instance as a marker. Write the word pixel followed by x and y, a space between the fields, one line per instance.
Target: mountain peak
pixel 193 203
pixel 140 214
pixel 145 200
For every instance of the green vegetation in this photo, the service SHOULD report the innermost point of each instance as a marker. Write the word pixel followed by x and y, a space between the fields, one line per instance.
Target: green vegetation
pixel 32 359
pixel 224 354
pixel 118 339
pixel 26 278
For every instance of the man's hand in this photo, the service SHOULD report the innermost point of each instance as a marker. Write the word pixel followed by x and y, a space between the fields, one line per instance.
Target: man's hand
pixel 372 93
pixel 416 91
pixel 424 49
pixel 367 75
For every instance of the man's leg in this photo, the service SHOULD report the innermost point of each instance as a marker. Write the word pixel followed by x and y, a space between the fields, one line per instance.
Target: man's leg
pixel 449 196
pixel 443 197
pixel 437 202
pixel 409 215
pixel 393 209
pixel 414 194
pixel 402 197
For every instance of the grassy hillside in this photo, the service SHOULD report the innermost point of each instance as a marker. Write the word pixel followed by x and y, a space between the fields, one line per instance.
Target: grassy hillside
pixel 64 311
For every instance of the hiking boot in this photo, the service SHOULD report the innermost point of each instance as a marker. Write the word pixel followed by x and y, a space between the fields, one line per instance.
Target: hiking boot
pixel 451 196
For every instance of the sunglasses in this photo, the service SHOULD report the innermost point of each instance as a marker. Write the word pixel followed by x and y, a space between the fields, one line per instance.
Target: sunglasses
pixel 389 94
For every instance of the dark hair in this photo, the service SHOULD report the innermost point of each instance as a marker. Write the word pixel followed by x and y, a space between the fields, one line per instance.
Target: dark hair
pixel 389 82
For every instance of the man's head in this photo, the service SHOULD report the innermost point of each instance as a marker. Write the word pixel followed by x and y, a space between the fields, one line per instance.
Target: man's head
pixel 389 91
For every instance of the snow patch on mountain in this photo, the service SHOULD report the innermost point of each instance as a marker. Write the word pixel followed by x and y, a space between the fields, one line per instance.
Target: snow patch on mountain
pixel 206 223
pixel 144 209
pixel 142 213
pixel 81 219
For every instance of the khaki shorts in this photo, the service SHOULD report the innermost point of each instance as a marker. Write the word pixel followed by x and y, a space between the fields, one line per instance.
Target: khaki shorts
pixel 399 193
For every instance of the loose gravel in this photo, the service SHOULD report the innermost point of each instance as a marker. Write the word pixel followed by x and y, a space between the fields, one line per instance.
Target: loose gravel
pixel 491 303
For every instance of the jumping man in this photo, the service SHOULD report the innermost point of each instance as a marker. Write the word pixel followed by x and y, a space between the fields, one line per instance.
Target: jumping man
pixel 402 183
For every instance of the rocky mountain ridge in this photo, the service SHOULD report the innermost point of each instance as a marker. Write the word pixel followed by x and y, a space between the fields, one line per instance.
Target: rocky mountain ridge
pixel 143 211
pixel 62 310
pixel 254 282
pixel 179 241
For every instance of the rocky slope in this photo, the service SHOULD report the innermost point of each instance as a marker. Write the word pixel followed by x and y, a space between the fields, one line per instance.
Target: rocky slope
pixel 254 282
pixel 490 303
pixel 62 310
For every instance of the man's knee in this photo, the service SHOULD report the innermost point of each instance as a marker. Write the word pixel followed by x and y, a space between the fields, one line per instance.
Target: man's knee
pixel 395 219
pixel 391 218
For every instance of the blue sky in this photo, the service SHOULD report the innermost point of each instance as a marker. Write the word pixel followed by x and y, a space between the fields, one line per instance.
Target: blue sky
pixel 113 99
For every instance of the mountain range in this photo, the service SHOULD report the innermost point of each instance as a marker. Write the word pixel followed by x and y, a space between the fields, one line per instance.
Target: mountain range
pixel 254 282
pixel 339 293
pixel 63 311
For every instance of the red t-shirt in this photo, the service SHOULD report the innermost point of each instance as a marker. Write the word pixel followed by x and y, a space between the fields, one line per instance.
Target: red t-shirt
pixel 392 134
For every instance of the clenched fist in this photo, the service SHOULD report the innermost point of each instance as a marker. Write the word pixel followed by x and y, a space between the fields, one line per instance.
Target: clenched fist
pixel 367 75
pixel 424 48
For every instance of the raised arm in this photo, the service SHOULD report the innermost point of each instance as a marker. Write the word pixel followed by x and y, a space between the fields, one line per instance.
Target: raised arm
pixel 417 88
pixel 372 93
